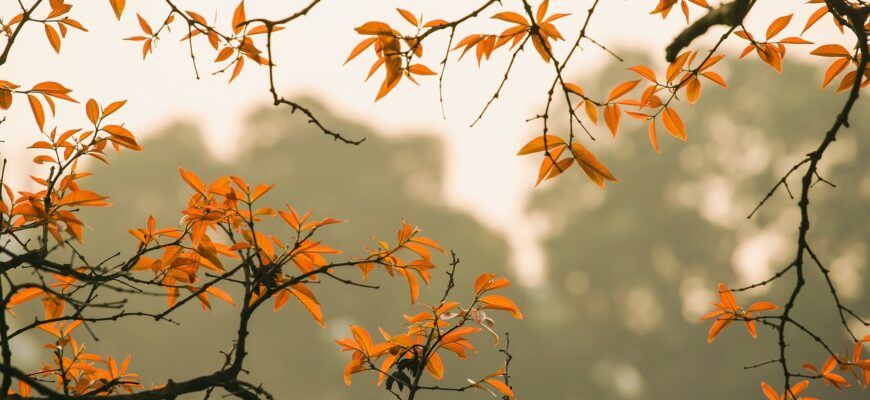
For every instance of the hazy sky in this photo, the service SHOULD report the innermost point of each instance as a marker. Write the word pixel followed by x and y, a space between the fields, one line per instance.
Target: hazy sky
pixel 483 175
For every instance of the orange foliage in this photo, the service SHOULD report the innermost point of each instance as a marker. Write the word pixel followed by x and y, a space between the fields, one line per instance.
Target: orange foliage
pixel 220 244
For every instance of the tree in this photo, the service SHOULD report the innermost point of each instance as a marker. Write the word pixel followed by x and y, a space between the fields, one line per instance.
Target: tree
pixel 224 244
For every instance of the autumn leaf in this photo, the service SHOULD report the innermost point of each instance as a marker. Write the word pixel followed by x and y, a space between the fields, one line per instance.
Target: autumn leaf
pixel 728 311
pixel 122 136
pixel 538 144
pixel 612 114
pixel 501 387
pixel 498 302
pixel 653 139
pixel 117 7
pixel 38 112
pixel 306 297
pixel 831 50
pixel 836 68
pixel 645 72
pixel 144 25
pixel 5 99
pixel 193 181
pixel 818 14
pixel 574 89
pixel 716 78
pixel 83 198
pixel 24 295
pixel 693 90
pixel 794 391
pixel 239 17
pixel 93 111
pixel 53 38
pixel 217 292
pixel 621 90
pixel 375 28
pixel 434 366
pixel 420 69
pixel 778 25
pixel 54 89
pixel 594 169
pixel 408 16
pixel 513 17
pixel 674 124
pixel 360 48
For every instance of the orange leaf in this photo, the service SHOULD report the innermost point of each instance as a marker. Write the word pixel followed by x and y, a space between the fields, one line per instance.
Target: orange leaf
pixel 117 7
pixel 363 339
pixel 435 22
pixel 413 286
pixel 795 40
pixel 53 38
pixel 778 25
pixel 674 124
pixel 835 69
pixel 594 169
pixel 24 295
pixel 548 164
pixel 144 25
pixel 257 30
pixel 360 48
pixel 408 16
pixel 510 16
pixel 93 111
pixel 769 392
pixel 38 112
pixel 591 111
pixel 420 69
pixel 259 191
pixel 82 197
pixel 374 28
pixel 435 366
pixel 5 99
pixel 41 159
pixel 542 10
pixel 111 108
pixel 537 144
pixel 498 302
pixel 541 47
pixel 644 72
pixel 818 14
pixel 240 63
pixel 831 50
pixel 216 292
pixel 239 17
pixel 192 180
pixel 53 89
pixel 481 281
pixel 711 62
pixel 422 240
pixel 716 78
pixel 612 114
pixel 501 387
pixel 762 306
pixel 621 90
pixel 693 90
pixel 306 297
pixel 574 89
pixel 652 136
pixel 225 53
pixel 122 136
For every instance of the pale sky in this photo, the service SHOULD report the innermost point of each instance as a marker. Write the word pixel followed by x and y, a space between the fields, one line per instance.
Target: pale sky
pixel 483 175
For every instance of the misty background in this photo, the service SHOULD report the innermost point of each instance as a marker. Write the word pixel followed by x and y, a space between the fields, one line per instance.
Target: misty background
pixel 629 270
